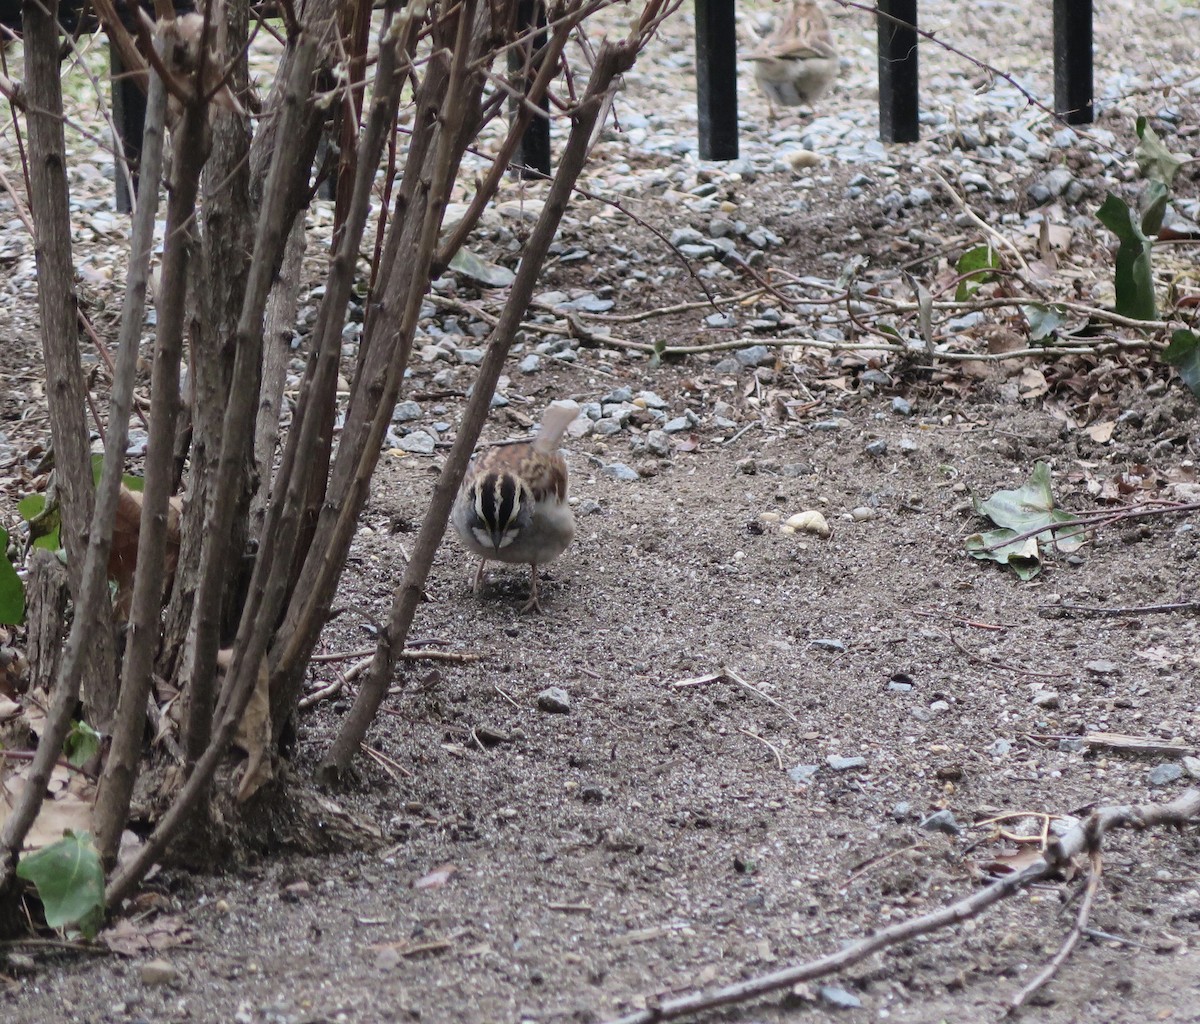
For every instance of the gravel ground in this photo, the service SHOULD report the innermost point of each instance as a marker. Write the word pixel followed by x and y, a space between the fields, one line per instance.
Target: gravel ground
pixel 568 861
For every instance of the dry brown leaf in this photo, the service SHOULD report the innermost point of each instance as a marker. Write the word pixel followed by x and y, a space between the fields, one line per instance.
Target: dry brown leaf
pixel 66 811
pixel 130 938
pixel 122 559
pixel 1033 383
pixel 1011 863
pixel 254 734
pixel 1101 432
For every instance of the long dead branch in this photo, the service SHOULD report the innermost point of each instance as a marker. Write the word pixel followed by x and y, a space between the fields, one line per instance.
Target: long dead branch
pixel 129 721
pixel 612 61
pixel 1086 837
pixel 1047 973
pixel 234 705
pixel 57 303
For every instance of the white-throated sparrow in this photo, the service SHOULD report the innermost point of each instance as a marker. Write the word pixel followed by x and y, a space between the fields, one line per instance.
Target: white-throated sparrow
pixel 798 61
pixel 512 506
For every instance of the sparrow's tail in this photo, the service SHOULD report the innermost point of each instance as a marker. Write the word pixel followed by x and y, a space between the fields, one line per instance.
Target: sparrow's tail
pixel 554 424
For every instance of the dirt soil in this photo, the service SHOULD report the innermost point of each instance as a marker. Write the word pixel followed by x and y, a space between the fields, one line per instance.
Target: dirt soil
pixel 675 828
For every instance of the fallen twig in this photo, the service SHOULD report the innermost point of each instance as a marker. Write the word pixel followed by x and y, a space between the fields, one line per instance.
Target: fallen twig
pixel 324 693
pixel 1143 609
pixel 1095 933
pixel 766 743
pixel 998 237
pixel 1002 665
pixel 1085 837
pixel 874 862
pixel 389 765
pixel 499 690
pixel 1044 976
pixel 733 677
pixel 95 948
pixel 730 675
pixel 1122 743
pixel 1105 518
pixel 998 627
pixel 408 654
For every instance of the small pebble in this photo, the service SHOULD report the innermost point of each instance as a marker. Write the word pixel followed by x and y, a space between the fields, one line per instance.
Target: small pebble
pixel 845 764
pixel 839 997
pixel 1191 765
pixel 620 471
pixel 755 355
pixel 941 821
pixel 20 963
pixel 658 442
pixel 1165 774
pixel 555 700
pixel 863 514
pixel 803 773
pixel 417 443
pixel 877 448
pixel 809 522
pixel 158 972
pixel 1102 668
pixel 649 400
pixel 1045 699
pixel 828 644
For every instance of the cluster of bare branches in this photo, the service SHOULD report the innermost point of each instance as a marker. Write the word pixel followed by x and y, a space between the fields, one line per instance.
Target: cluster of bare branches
pixel 1085 839
pixel 224 594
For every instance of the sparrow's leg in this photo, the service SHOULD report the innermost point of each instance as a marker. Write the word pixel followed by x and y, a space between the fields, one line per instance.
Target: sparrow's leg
pixel 532 604
pixel 479 576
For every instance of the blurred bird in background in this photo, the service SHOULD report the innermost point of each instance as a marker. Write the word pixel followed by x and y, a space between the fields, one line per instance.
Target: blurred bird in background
pixel 798 61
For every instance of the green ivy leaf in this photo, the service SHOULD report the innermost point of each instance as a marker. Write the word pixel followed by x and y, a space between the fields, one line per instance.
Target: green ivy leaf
pixel 1022 556
pixel 12 590
pixel 478 269
pixel 1043 320
pixel 1154 160
pixel 69 882
pixel 1183 353
pixel 978 264
pixel 31 506
pixel 1134 281
pixel 1153 204
pixel 134 483
pixel 81 744
pixel 45 522
pixel 1017 511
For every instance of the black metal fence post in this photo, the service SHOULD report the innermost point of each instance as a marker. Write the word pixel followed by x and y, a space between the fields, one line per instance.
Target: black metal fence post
pixel 716 79
pixel 532 158
pixel 1073 60
pixel 898 77
pixel 129 118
